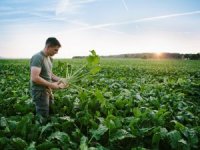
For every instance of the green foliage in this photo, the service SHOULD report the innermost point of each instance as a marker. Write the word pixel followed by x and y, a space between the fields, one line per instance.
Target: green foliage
pixel 46 145
pixel 31 146
pixel 128 104
pixel 174 137
pixel 88 70
pixel 83 143
pixel 120 135
pixel 99 132
pixel 60 136
pixel 19 143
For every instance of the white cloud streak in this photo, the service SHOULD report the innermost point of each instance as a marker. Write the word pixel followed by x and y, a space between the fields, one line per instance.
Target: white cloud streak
pixel 87 26
pixel 167 16
pixel 70 6
pixel 137 21
pixel 125 5
pixel 62 6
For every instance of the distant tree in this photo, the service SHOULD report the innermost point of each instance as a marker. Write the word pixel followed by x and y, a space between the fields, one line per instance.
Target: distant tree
pixel 144 57
pixel 78 57
pixel 192 56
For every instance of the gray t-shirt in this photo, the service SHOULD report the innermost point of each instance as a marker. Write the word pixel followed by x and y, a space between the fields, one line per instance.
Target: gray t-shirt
pixel 45 63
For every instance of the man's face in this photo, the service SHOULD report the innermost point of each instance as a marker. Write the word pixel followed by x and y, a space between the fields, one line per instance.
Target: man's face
pixel 53 50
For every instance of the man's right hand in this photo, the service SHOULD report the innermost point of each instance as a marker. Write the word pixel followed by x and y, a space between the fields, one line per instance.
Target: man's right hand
pixel 54 85
pixel 62 85
pixel 58 85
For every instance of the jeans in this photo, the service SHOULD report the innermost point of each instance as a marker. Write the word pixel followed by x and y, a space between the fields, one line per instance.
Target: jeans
pixel 43 99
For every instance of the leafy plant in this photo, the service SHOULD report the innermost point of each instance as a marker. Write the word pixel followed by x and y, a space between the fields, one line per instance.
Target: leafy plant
pixel 89 69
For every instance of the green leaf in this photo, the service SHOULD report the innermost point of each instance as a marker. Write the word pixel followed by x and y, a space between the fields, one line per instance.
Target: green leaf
pixel 45 145
pixel 113 122
pixel 24 125
pixel 139 148
pixel 93 59
pixel 83 143
pixel 174 136
pixel 100 147
pixel 95 70
pixel 12 124
pixel 192 138
pixel 178 125
pixel 145 130
pixel 108 94
pixel 99 132
pixel 3 122
pixel 31 146
pixel 100 98
pixel 19 143
pixel 46 127
pixel 4 141
pixel 137 112
pixel 67 118
pixel 163 133
pixel 156 139
pixel 60 136
pixel 120 135
pixel 93 52
pixel 183 142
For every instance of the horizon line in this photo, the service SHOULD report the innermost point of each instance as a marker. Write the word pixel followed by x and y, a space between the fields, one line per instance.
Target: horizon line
pixel 2 57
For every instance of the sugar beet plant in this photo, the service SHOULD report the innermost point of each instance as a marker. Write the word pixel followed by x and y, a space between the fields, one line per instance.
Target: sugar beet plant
pixel 87 70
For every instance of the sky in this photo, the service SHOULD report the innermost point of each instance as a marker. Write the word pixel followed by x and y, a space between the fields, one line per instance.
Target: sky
pixel 107 26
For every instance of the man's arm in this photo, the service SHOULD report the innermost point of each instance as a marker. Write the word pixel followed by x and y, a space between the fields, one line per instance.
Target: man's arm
pixel 35 72
pixel 59 80
pixel 54 77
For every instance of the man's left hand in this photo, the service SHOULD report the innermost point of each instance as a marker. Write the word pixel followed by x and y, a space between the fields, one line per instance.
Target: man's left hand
pixel 62 85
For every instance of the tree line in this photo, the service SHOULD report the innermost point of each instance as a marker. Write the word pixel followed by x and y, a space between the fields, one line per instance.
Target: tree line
pixel 153 56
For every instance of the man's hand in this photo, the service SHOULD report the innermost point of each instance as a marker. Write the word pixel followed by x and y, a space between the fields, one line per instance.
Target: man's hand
pixel 54 85
pixel 62 85
pixel 62 80
pixel 58 85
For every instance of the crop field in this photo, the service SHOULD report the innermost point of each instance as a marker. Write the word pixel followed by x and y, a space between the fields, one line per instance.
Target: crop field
pixel 130 104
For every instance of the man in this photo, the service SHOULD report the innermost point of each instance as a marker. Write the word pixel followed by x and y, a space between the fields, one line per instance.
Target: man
pixel 42 78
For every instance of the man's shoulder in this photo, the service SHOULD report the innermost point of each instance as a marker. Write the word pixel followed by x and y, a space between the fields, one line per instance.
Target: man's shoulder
pixel 37 59
pixel 37 55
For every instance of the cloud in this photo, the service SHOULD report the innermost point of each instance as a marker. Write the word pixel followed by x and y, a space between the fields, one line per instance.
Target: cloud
pixel 125 5
pixel 70 6
pixel 89 27
pixel 166 16
pixel 13 12
pixel 62 6
pixel 137 20
pixel 83 26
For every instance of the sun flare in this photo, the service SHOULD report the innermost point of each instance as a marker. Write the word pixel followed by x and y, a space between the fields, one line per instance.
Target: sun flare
pixel 158 53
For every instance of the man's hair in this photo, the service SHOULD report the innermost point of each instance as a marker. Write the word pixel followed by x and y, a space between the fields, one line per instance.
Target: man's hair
pixel 52 41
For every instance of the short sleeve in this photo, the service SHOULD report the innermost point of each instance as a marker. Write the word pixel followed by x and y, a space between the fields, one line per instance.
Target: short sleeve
pixel 36 61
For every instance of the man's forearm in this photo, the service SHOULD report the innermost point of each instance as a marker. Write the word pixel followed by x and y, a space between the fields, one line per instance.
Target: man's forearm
pixel 55 78
pixel 42 81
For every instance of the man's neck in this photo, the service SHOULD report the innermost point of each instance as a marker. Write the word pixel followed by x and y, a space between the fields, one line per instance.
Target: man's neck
pixel 45 52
